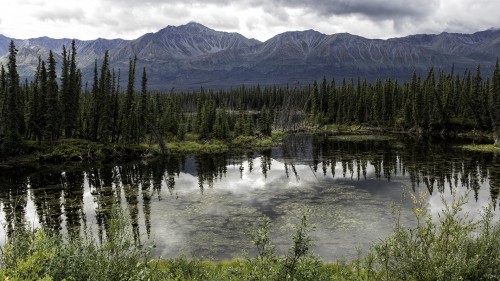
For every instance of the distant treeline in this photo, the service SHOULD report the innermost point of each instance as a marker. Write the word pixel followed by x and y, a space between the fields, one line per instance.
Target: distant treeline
pixel 48 107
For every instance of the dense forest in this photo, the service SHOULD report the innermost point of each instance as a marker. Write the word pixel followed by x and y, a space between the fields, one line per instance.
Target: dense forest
pixel 49 107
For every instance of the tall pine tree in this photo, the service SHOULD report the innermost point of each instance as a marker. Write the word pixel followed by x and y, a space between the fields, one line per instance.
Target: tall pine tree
pixel 53 112
pixel 143 110
pixel 69 96
pixel 11 112
pixel 495 107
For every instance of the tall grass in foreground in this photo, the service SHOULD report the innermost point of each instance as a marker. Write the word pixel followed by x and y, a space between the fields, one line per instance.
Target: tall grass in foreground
pixel 33 254
pixel 453 248
pixel 449 247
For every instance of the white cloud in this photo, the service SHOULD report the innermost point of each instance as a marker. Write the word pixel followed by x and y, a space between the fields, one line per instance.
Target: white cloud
pixel 253 18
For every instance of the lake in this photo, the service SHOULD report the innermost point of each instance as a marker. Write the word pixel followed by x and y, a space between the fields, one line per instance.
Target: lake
pixel 351 189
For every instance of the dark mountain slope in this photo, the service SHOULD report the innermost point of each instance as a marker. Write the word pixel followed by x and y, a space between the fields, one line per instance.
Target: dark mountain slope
pixel 191 56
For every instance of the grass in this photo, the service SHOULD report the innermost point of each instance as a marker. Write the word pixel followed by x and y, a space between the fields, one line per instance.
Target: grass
pixel 447 247
pixel 275 139
pixel 184 147
pixel 482 147
pixel 346 129
pixel 76 150
pixel 38 254
pixel 192 144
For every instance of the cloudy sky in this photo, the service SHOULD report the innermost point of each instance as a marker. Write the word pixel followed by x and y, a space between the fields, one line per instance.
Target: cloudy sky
pixel 260 19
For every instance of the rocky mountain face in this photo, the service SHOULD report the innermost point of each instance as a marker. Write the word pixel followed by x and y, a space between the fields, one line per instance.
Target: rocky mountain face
pixel 193 56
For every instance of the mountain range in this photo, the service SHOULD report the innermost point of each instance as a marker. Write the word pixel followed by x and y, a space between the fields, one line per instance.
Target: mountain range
pixel 192 56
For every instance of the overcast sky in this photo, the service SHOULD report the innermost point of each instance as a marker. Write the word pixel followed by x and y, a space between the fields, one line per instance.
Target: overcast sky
pixel 259 19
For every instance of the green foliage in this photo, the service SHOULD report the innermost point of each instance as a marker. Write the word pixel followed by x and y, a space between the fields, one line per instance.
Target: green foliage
pixel 265 121
pixel 439 103
pixel 220 128
pixel 52 114
pixel 38 254
pixel 453 248
pixel 298 264
pixel 11 114
pixel 447 247
pixel 495 103
pixel 482 147
pixel 197 147
pixel 181 132
pixel 77 150
pixel 300 248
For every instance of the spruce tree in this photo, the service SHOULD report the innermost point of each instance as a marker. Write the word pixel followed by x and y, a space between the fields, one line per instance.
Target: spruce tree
pixel 387 102
pixel 66 95
pixel 181 131
pixel 495 107
pixel 324 97
pixel 475 98
pixel 3 93
pixel 221 126
pixel 127 123
pixel 418 102
pixel 116 107
pixel 34 106
pixel 248 125
pixel 75 86
pixel 105 99
pixel 70 91
pixel 143 111
pixel 11 112
pixel 53 112
pixel 264 121
pixel 315 100
pixel 96 106
pixel 207 117
pixel 42 105
pixel 332 102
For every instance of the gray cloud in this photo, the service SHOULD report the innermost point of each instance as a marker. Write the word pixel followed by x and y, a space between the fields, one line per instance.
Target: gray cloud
pixel 63 14
pixel 382 18
pixel 260 19
pixel 369 8
pixel 275 15
pixel 373 8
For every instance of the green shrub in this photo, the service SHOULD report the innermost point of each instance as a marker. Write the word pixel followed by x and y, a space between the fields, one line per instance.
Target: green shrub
pixel 454 248
pixel 449 247
pixel 36 254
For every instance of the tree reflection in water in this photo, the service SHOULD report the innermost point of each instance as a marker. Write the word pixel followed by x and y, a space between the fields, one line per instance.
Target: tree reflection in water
pixel 56 198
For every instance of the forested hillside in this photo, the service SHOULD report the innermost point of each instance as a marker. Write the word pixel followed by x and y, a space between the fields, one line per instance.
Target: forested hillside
pixel 48 107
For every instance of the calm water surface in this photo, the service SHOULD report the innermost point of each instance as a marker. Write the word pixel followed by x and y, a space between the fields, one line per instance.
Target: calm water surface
pixel 207 205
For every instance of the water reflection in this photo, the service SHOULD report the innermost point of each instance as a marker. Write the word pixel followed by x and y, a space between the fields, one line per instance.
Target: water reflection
pixel 207 204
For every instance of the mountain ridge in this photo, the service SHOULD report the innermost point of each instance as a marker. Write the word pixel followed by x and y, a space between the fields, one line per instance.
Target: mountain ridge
pixel 192 55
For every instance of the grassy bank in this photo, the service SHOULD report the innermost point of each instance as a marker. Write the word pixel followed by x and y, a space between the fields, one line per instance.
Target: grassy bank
pixel 75 150
pixel 452 248
pixel 193 144
pixel 482 147
pixel 79 150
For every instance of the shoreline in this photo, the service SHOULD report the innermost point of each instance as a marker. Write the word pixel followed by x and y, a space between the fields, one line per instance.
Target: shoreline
pixel 78 151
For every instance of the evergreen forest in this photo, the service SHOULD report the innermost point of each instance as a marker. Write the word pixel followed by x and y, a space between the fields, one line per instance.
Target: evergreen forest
pixel 56 104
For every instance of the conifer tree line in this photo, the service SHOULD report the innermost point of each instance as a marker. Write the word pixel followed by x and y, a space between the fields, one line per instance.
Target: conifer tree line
pixel 47 107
